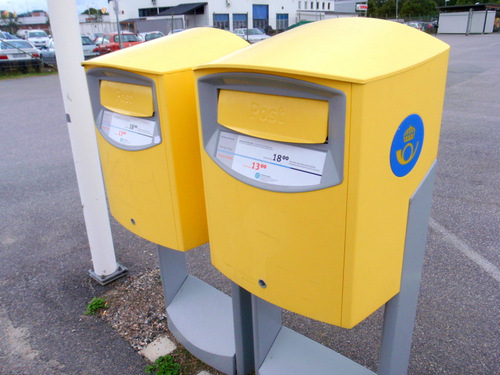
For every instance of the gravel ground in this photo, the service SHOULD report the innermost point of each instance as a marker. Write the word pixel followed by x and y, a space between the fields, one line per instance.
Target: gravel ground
pixel 136 311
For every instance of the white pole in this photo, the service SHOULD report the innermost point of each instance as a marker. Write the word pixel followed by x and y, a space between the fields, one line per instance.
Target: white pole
pixel 118 28
pixel 66 32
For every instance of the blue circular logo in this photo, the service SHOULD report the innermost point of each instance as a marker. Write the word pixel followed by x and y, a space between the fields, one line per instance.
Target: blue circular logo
pixel 407 145
pixel 257 175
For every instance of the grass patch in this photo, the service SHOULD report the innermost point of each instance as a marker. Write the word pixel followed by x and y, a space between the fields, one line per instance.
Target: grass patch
pixel 164 366
pixel 13 74
pixel 95 305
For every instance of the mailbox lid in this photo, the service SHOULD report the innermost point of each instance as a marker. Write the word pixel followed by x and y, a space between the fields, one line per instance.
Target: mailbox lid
pixel 357 50
pixel 264 116
pixel 138 100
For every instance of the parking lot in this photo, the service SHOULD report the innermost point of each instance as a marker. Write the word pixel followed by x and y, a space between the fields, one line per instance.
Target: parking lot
pixel 44 254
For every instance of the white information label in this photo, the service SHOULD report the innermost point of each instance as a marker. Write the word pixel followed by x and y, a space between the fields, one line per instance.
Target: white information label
pixel 271 162
pixel 128 130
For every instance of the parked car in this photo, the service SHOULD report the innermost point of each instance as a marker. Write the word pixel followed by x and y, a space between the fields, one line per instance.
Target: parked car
pixel 415 24
pixel 22 33
pixel 110 42
pixel 9 35
pixel 175 31
pixel 150 35
pixel 251 35
pixel 18 54
pixel 89 48
pixel 38 38
pixel 48 53
pixel 98 40
pixel 94 36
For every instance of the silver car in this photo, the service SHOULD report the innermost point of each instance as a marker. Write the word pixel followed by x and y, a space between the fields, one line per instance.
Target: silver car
pixel 150 35
pixel 48 53
pixel 251 35
pixel 18 54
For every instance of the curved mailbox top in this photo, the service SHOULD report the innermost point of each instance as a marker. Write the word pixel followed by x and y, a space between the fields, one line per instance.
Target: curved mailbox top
pixel 356 50
pixel 176 52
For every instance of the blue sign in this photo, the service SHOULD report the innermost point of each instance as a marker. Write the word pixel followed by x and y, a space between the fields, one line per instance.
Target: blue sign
pixel 407 145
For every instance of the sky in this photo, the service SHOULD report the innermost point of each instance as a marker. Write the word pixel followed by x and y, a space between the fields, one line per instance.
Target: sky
pixel 22 6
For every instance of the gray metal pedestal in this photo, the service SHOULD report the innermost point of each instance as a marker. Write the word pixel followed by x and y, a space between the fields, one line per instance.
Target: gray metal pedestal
pixel 279 350
pixel 208 323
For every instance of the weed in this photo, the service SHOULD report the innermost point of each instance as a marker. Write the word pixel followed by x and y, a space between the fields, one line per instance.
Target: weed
pixel 95 305
pixel 164 366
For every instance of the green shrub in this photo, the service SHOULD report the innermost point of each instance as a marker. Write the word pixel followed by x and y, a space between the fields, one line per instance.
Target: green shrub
pixel 95 305
pixel 164 366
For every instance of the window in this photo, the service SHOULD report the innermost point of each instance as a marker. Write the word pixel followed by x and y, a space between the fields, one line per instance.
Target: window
pixel 260 16
pixel 281 21
pixel 37 34
pixel 240 21
pixel 221 21
pixel 300 5
pixel 13 44
pixel 86 41
pixel 127 38
pixel 145 12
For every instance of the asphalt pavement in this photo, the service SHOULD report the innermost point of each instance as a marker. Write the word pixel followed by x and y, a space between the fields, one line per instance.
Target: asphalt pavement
pixel 45 258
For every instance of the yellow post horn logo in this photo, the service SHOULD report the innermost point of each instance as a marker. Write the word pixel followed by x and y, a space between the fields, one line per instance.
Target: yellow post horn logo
pixel 408 136
pixel 407 145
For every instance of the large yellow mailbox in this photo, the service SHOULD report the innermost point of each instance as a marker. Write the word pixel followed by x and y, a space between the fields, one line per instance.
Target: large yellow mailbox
pixel 144 107
pixel 313 142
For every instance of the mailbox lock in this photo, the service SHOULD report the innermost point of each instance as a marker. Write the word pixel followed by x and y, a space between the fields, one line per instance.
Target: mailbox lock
pixel 262 283
pixel 132 221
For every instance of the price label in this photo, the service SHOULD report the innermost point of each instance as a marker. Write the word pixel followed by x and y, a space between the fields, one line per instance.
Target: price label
pixel 271 162
pixel 128 130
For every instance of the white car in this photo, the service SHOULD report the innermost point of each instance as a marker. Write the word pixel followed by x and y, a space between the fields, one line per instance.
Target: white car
pixel 150 35
pixel 251 35
pixel 18 54
pixel 38 38
pixel 48 53
pixel 22 33
pixel 175 31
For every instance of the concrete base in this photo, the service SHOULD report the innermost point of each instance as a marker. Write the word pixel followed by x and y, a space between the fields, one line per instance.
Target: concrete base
pixel 104 280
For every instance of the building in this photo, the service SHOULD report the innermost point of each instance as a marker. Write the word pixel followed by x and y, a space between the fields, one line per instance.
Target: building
pixel 467 19
pixel 34 20
pixel 166 15
pixel 92 24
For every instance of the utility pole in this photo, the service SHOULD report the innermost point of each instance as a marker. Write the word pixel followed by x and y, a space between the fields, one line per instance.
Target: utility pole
pixel 66 32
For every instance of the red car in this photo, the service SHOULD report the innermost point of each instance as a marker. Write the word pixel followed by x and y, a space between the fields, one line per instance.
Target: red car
pixel 110 42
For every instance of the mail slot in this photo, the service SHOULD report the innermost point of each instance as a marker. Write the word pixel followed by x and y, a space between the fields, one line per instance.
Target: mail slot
pixel 266 116
pixel 312 144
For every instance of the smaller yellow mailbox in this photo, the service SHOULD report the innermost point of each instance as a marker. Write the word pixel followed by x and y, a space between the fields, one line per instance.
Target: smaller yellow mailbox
pixel 144 108
pixel 313 142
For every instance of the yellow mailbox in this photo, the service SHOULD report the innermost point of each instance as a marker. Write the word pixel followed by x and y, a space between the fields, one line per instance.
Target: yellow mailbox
pixel 313 142
pixel 143 101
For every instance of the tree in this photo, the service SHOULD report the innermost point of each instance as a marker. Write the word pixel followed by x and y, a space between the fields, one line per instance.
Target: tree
pixel 373 6
pixel 388 9
pixel 9 21
pixel 416 8
pixel 95 14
